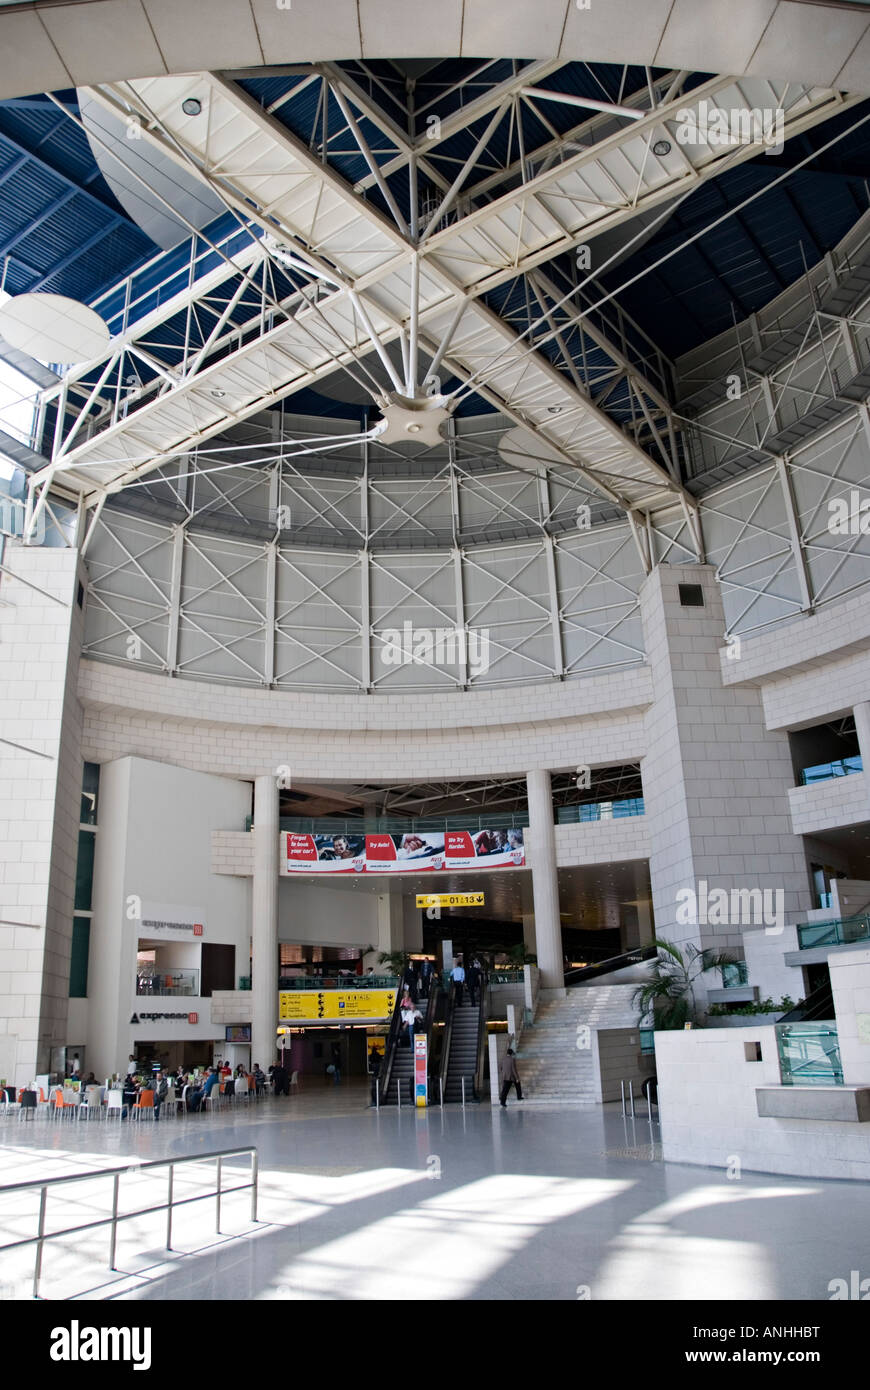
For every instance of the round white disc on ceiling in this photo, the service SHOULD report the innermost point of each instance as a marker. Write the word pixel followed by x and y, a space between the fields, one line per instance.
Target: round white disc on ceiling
pixel 52 328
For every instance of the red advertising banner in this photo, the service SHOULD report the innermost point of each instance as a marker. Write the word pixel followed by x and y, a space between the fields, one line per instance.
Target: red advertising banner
pixel 413 852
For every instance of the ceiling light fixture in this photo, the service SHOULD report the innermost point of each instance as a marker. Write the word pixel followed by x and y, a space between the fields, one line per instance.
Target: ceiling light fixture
pixel 662 147
pixel 218 395
pixel 191 106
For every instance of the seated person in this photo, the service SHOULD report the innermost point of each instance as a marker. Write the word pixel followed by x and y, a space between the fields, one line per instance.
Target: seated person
pixel 196 1098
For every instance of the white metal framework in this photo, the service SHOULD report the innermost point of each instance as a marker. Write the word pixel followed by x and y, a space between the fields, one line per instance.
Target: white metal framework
pixel 314 276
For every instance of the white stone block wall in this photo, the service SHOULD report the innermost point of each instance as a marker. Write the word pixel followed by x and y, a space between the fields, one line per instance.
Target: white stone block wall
pixel 850 982
pixel 600 842
pixel 232 852
pixel 715 778
pixel 709 1113
pixel 764 953
pixel 826 805
pixel 40 791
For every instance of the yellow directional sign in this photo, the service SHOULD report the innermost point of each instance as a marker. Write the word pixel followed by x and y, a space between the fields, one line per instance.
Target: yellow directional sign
pixel 450 900
pixel 331 1004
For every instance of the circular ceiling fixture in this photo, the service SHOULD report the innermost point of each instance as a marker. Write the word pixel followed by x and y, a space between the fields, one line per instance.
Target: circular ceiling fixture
pixel 52 328
pixel 662 147
pixel 191 106
pixel 411 417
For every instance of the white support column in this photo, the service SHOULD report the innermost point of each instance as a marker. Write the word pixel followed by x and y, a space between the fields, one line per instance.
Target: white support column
pixel 264 924
pixel 175 600
pixel 271 553
pixel 545 881
pixel 794 531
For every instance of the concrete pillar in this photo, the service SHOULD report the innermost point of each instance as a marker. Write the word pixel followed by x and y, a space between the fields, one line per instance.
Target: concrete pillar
pixel 545 882
pixel 41 624
pixel 715 778
pixel 529 938
pixel 391 930
pixel 264 924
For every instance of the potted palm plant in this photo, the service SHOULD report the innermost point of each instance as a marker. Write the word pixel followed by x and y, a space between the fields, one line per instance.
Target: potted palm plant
pixel 669 994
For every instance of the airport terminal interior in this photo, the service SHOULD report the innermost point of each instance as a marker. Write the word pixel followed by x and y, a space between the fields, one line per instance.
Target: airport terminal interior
pixel 435 650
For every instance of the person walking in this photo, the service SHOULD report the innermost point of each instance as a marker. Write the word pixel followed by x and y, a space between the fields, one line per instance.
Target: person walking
pixel 509 1077
pixel 409 1018
pixel 457 975
pixel 426 972
pixel 375 1069
pixel 474 974
pixel 409 980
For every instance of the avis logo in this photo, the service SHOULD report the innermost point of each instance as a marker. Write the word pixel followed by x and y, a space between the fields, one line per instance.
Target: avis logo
pixel 75 1343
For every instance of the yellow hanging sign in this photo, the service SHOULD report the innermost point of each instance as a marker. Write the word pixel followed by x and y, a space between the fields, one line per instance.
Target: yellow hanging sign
pixel 335 1004
pixel 450 899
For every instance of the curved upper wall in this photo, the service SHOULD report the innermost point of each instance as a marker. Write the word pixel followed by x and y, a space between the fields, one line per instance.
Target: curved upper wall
pixel 50 46
pixel 246 733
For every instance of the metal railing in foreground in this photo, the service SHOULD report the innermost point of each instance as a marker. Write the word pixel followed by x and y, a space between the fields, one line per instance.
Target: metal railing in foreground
pixel 170 1205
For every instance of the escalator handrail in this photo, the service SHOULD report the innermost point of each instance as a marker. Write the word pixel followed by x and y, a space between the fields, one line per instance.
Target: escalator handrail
pixel 448 1037
pixel 606 967
pixel 390 1049
pixel 482 1035
pixel 806 1011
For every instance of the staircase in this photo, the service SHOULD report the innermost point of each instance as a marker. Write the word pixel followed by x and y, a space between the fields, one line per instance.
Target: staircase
pixel 463 1051
pixel 551 1066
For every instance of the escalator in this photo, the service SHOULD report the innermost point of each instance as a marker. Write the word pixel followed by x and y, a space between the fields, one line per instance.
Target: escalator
pixel 818 1006
pixel 465 1047
pixel 396 1082
pixel 585 973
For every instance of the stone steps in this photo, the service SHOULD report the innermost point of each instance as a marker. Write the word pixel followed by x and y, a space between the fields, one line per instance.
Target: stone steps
pixel 550 1064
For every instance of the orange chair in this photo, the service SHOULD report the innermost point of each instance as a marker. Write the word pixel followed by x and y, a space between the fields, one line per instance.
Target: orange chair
pixel 143 1107
pixel 62 1109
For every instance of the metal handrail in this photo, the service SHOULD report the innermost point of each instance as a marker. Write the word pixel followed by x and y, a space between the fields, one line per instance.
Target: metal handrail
pixel 482 1035
pixel 391 1045
pixel 607 967
pixel 448 1036
pixel 116 1173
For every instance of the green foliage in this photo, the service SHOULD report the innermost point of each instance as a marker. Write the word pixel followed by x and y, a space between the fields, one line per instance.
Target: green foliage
pixel 519 956
pixel 669 994
pixel 764 1006
pixel 396 960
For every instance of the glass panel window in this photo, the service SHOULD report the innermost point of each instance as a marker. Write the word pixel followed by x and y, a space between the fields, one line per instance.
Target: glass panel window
pixel 90 793
pixel 85 870
pixel 78 963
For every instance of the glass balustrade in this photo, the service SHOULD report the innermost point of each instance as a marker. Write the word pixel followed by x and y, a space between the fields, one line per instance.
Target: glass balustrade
pixel 809 1054
pixel 842 932
pixel 823 772
pixel 156 981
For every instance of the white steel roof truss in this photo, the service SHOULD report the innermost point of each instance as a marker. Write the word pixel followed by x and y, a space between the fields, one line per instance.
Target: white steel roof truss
pixel 250 155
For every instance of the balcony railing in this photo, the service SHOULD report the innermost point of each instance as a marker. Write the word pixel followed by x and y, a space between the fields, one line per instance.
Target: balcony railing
pixel 394 825
pixel 839 933
pixel 319 982
pixel 823 772
pixel 156 981
pixel 600 810
pixel 809 1054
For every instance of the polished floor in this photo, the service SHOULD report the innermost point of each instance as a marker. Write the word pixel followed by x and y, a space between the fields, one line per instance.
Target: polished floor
pixel 523 1203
